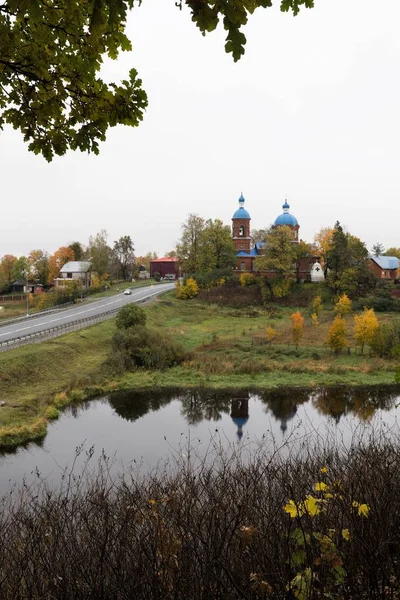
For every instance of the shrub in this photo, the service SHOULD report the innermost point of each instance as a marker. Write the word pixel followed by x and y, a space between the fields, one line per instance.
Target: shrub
pixel 382 303
pixel 246 279
pixel 385 342
pixel 188 290
pixel 142 347
pixel 129 316
pixel 157 276
pixel 270 333
pixel 214 278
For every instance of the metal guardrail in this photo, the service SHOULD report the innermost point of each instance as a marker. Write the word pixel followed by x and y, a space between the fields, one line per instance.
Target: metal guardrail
pixel 33 315
pixel 53 332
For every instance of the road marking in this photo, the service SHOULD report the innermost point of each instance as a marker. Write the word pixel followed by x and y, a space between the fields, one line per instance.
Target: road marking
pixel 119 299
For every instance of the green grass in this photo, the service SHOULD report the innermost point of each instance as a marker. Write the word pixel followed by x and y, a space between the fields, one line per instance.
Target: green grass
pixel 225 348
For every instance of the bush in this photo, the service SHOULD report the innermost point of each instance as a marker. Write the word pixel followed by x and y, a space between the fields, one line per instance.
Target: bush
pixel 157 276
pixel 382 303
pixel 214 278
pixel 247 279
pixel 385 343
pixel 188 290
pixel 129 316
pixel 141 347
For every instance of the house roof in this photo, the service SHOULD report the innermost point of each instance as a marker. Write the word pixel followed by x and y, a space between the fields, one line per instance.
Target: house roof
pixel 23 282
pixel 165 259
pixel 76 266
pixel 386 262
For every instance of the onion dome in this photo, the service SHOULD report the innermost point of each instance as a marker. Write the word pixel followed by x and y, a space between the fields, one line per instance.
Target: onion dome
pixel 285 218
pixel 241 212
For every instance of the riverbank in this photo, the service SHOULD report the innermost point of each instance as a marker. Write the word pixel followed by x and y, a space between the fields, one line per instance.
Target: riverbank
pixel 226 348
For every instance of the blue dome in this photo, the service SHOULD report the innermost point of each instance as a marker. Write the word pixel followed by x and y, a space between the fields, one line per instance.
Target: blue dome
pixel 241 213
pixel 286 219
pixel 240 421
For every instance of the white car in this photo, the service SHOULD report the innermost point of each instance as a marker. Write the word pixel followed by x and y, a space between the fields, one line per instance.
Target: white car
pixel 127 292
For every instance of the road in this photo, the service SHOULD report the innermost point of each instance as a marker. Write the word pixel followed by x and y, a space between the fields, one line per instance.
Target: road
pixel 82 311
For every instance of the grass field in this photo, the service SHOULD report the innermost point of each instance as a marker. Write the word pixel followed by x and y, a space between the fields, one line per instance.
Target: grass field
pixel 225 348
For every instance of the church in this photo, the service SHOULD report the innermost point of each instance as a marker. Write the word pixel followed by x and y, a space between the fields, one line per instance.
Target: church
pixel 247 251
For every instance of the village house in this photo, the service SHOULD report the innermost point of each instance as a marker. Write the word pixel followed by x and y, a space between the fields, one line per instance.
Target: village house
pixel 385 267
pixel 75 270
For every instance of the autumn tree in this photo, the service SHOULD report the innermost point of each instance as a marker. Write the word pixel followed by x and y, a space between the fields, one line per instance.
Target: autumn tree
pixel 216 250
pixel 297 327
pixel 51 55
pixel 279 257
pixel 337 335
pixel 143 262
pixel 124 255
pixel 39 261
pixel 60 257
pixel 323 240
pixel 7 265
pixel 343 305
pixel 188 247
pixel 365 327
pixel 100 253
pixel 316 305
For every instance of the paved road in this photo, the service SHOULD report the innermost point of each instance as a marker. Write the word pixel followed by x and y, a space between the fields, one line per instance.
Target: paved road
pixel 68 316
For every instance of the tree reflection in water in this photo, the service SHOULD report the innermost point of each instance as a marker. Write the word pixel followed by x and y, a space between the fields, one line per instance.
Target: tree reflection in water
pixel 199 405
pixel 361 402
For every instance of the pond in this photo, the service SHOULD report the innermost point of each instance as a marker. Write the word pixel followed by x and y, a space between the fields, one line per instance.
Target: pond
pixel 144 430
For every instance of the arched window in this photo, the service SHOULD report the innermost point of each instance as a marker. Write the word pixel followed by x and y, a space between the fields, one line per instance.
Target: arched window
pixel 241 230
pixel 242 266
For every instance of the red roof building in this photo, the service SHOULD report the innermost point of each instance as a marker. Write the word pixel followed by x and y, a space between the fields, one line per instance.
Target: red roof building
pixel 167 266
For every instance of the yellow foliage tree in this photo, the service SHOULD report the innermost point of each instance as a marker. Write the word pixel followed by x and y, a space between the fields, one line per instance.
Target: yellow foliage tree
pixel 343 305
pixel 314 320
pixel 323 240
pixel 365 326
pixel 297 327
pixel 188 290
pixel 270 333
pixel 337 335
pixel 316 305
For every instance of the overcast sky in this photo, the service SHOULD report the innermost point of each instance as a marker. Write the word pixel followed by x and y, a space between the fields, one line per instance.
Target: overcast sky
pixel 312 111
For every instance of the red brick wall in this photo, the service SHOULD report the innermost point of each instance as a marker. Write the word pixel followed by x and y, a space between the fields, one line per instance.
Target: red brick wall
pixel 383 273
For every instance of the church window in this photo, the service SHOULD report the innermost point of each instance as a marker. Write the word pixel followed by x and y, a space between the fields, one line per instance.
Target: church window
pixel 242 266
pixel 241 230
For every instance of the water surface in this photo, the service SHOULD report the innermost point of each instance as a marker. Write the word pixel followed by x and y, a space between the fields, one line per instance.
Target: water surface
pixel 151 428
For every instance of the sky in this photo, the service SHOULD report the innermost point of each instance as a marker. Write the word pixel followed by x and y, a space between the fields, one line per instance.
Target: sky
pixel 311 113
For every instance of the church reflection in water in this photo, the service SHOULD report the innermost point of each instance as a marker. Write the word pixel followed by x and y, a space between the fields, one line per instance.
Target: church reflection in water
pixel 240 412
